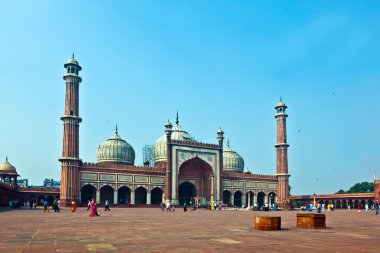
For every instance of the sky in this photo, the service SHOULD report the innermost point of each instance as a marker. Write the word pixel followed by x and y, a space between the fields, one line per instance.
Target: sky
pixel 219 63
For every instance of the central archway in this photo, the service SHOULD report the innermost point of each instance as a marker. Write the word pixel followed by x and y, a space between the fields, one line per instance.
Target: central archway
pixel 186 192
pixel 195 181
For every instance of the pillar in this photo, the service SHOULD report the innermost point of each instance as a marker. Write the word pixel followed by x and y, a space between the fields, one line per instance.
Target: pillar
pixel 249 200
pixel 254 199
pixel 148 198
pixel 115 198
pixel 97 196
pixel 132 197
pixel 243 199
pixel 212 188
pixel 232 200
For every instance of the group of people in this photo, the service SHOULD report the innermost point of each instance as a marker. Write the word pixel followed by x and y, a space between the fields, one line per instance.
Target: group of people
pixel 56 205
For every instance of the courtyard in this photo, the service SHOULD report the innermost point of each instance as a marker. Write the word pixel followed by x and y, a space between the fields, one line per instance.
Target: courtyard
pixel 151 230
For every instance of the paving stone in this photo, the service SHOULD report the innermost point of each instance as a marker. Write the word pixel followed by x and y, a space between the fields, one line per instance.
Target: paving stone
pixel 151 230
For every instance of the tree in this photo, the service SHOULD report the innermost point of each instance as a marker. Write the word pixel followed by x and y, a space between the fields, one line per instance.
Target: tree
pixel 359 188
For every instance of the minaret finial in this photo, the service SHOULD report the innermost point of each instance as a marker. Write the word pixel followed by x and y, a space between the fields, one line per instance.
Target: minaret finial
pixel 73 55
pixel 374 175
pixel 116 130
pixel 280 99
pixel 177 119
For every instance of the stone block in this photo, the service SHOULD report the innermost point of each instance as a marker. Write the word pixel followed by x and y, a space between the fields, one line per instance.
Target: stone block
pixel 267 223
pixel 311 220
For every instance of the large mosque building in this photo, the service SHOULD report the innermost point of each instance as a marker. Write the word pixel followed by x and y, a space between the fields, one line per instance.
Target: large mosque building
pixel 184 169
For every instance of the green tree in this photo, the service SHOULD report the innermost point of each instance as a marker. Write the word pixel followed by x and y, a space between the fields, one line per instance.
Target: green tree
pixel 361 187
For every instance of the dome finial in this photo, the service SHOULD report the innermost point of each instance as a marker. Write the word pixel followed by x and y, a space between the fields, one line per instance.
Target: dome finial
pixel 228 142
pixel 177 119
pixel 6 158
pixel 116 130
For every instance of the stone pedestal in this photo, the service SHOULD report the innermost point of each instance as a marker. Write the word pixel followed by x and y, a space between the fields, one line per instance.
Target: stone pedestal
pixel 267 223
pixel 311 220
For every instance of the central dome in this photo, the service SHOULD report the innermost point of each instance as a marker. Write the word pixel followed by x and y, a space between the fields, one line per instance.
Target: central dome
pixel 117 150
pixel 178 134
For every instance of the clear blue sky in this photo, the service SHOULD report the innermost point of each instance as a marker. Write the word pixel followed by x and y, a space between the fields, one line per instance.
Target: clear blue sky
pixel 220 63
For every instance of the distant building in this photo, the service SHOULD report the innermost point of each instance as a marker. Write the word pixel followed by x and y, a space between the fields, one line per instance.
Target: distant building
pixel 23 183
pixel 51 184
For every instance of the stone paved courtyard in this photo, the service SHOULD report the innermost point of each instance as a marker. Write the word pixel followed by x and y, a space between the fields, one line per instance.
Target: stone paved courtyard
pixel 151 230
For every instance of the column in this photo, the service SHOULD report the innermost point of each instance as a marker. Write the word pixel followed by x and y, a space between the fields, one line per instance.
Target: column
pixel 232 200
pixel 115 198
pixel 163 198
pixel 212 188
pixel 249 200
pixel 148 199
pixel 243 199
pixel 97 196
pixel 254 199
pixel 132 197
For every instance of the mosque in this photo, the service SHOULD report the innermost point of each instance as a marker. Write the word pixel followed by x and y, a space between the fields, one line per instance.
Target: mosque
pixel 184 169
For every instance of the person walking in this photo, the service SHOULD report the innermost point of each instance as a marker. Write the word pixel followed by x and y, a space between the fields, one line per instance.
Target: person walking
pixel 73 206
pixel 162 207
pixel 168 206
pixel 93 209
pixel 45 204
pixel 377 205
pixel 88 205
pixel 107 206
pixel 184 206
pixel 55 206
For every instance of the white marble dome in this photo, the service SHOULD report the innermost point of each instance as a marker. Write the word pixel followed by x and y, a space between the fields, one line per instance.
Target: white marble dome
pixel 232 161
pixel 117 150
pixel 178 134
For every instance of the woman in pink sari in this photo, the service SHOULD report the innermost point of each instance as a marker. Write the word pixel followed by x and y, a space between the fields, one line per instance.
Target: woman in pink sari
pixel 93 209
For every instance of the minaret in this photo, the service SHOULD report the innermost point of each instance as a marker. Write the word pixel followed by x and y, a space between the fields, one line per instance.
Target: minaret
pixel 70 151
pixel 168 176
pixel 220 138
pixel 282 156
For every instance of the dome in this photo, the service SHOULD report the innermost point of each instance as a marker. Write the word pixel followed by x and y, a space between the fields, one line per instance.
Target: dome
pixel 280 103
pixel 178 134
pixel 6 166
pixel 232 161
pixel 117 150
pixel 72 61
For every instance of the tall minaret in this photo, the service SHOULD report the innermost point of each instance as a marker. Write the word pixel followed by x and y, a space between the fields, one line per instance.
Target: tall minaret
pixel 70 151
pixel 282 155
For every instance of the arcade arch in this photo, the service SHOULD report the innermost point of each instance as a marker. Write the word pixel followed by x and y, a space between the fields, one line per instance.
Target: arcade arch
pixel 87 193
pixel 106 193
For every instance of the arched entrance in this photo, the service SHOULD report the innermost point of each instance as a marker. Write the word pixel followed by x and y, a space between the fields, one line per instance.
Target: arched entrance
pixel 124 195
pixel 87 193
pixel 50 199
pixel 41 199
pixel 156 196
pixel 106 193
pixel 186 192
pixel 226 197
pixel 271 198
pixel 237 198
pixel 198 173
pixel 260 199
pixel 140 196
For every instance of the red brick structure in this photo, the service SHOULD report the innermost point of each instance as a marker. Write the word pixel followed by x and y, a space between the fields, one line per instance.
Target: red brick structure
pixel 70 151
pixel 282 155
